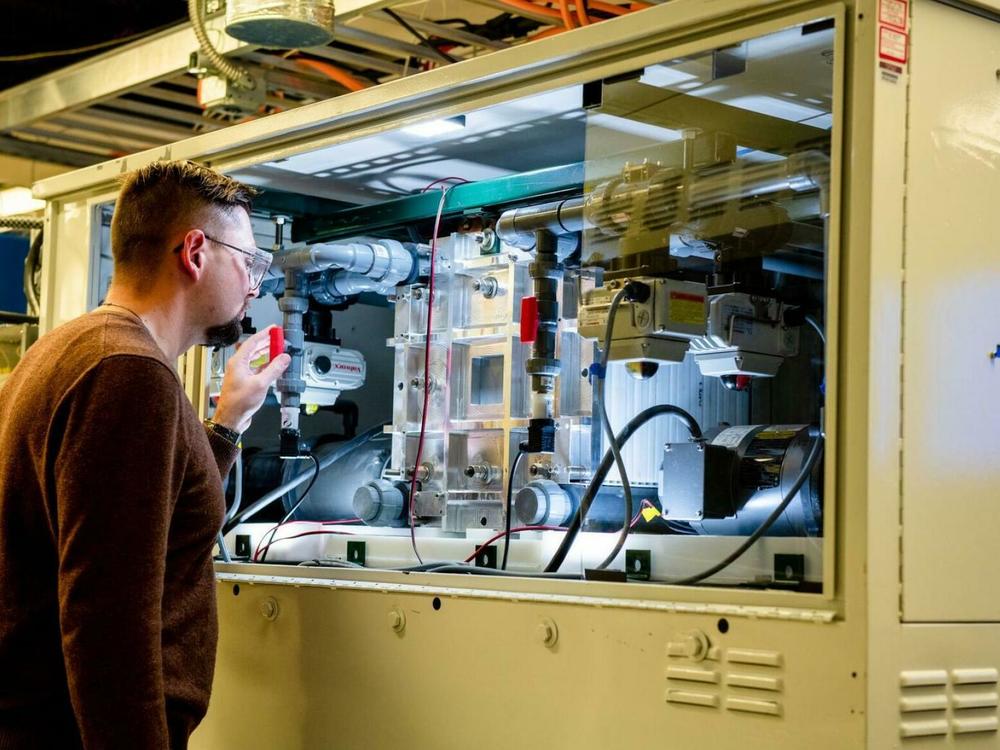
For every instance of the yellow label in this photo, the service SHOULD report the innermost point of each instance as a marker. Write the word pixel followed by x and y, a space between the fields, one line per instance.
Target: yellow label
pixel 687 308
pixel 649 514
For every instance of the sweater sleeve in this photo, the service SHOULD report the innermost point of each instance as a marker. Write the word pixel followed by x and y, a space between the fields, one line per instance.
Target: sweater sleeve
pixel 224 452
pixel 116 471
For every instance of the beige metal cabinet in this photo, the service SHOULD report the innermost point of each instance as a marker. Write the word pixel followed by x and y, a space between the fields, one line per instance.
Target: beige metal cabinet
pixel 951 320
pixel 900 649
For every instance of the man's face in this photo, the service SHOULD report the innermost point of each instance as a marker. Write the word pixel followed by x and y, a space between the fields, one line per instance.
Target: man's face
pixel 231 288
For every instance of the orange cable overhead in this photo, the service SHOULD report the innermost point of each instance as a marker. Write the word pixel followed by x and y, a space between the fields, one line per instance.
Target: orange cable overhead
pixel 617 10
pixel 530 7
pixel 581 12
pixel 551 31
pixel 341 76
pixel 567 18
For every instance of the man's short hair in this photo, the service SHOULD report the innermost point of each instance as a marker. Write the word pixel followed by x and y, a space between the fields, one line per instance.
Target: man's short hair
pixel 161 201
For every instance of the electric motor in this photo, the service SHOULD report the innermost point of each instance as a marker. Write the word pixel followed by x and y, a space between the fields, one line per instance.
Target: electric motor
pixel 730 484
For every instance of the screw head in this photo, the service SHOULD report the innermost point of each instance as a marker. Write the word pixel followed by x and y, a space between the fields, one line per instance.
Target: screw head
pixel 396 620
pixel 269 608
pixel 696 644
pixel 547 633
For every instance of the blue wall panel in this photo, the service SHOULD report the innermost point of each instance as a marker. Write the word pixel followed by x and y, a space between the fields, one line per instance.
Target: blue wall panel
pixel 13 251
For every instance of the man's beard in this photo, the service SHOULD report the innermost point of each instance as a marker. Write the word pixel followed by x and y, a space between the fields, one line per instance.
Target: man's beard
pixel 225 335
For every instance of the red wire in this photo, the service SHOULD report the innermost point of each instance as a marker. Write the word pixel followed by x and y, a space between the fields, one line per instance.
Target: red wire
pixel 502 534
pixel 427 377
pixel 258 551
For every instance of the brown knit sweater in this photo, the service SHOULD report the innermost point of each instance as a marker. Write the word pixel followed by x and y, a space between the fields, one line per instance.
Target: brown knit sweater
pixel 110 499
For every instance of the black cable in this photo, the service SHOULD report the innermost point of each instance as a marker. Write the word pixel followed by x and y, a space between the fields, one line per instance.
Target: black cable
pixel 263 554
pixel 330 564
pixel 262 502
pixel 424 41
pixel 476 570
pixel 602 471
pixel 623 293
pixel 507 509
pixel 13 317
pixel 447 21
pixel 814 453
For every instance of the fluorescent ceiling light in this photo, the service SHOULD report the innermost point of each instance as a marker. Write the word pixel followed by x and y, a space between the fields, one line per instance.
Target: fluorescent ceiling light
pixel 18 200
pixel 430 128
pixel 664 77
pixel 775 107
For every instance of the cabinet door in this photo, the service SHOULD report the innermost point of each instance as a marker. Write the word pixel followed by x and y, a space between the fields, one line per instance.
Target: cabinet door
pixel 951 379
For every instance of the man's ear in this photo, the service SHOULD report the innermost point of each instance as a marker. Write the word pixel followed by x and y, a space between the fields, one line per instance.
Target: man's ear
pixel 194 254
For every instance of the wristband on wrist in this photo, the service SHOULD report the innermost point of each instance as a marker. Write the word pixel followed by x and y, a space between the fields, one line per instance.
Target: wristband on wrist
pixel 222 431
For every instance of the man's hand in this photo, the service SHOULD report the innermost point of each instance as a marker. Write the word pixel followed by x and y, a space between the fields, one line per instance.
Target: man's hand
pixel 243 390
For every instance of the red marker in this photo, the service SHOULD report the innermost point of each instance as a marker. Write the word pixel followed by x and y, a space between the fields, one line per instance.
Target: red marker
pixel 529 319
pixel 277 343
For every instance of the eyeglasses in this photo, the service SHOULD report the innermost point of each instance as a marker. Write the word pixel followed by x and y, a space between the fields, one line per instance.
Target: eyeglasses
pixel 257 260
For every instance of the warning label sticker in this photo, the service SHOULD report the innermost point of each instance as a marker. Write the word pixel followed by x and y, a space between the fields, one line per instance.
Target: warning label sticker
pixel 892 44
pixel 687 308
pixel 894 13
pixel 733 436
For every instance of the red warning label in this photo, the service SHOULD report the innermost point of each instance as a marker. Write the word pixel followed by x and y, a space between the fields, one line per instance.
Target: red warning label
pixel 894 13
pixel 892 44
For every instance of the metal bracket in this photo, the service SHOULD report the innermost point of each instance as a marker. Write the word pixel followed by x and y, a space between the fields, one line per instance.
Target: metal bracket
pixel 356 552
pixel 638 564
pixel 487 557
pixel 789 568
pixel 243 546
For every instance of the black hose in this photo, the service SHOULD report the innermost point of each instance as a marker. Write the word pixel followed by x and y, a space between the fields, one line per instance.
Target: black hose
pixel 814 453
pixel 507 510
pixel 576 523
pixel 623 293
pixel 257 506
pixel 12 317
pixel 289 514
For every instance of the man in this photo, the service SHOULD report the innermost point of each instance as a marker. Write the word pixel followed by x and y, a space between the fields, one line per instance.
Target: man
pixel 110 491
